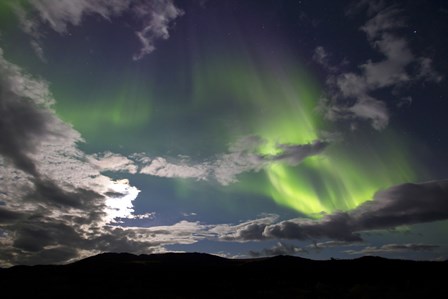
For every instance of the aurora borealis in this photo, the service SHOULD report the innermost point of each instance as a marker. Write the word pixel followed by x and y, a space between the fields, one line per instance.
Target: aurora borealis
pixel 223 127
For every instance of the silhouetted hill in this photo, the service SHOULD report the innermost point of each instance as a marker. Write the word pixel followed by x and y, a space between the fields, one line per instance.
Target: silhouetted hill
pixel 197 275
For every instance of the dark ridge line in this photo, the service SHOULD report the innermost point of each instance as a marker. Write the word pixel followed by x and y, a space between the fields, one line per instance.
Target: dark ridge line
pixel 121 257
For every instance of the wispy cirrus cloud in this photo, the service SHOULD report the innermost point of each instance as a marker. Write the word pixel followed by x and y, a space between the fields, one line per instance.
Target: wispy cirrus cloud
pixel 155 16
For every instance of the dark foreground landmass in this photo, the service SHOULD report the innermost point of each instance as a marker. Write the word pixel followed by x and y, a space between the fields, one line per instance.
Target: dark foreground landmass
pixel 194 275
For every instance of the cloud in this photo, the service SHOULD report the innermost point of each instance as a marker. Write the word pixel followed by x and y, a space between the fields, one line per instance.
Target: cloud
pixel 113 162
pixel 322 57
pixel 31 133
pixel 372 6
pixel 350 94
pixel 119 200
pixel 7 216
pixel 155 16
pixel 248 230
pixel 404 204
pixel 426 71
pixel 242 157
pixel 280 248
pixel 31 137
pixel 162 168
pixel 384 19
pixel 335 226
pixel 389 248
pixel 37 48
pixel 59 241
pixel 293 154
pixel 55 205
pixel 331 244
pixel 61 13
pixel 405 101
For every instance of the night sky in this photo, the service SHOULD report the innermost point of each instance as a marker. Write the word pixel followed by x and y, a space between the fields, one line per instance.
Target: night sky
pixel 241 128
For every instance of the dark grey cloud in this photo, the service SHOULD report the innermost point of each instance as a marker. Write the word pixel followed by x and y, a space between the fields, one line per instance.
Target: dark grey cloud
pixel 392 248
pixel 251 231
pixel 22 123
pixel 34 235
pixel 48 192
pixel 281 248
pixel 8 216
pixel 335 226
pixel 44 240
pixel 293 154
pixel 404 204
pixel 244 156
pixel 113 194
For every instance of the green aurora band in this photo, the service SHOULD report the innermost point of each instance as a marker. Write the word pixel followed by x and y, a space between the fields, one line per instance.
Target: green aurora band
pixel 276 102
pixel 279 104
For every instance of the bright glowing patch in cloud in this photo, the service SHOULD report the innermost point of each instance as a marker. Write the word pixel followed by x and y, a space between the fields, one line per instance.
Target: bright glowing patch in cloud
pixel 119 200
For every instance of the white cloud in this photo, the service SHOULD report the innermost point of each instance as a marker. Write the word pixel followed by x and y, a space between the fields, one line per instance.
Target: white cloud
pixel 119 200
pixel 242 157
pixel 162 168
pixel 113 162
